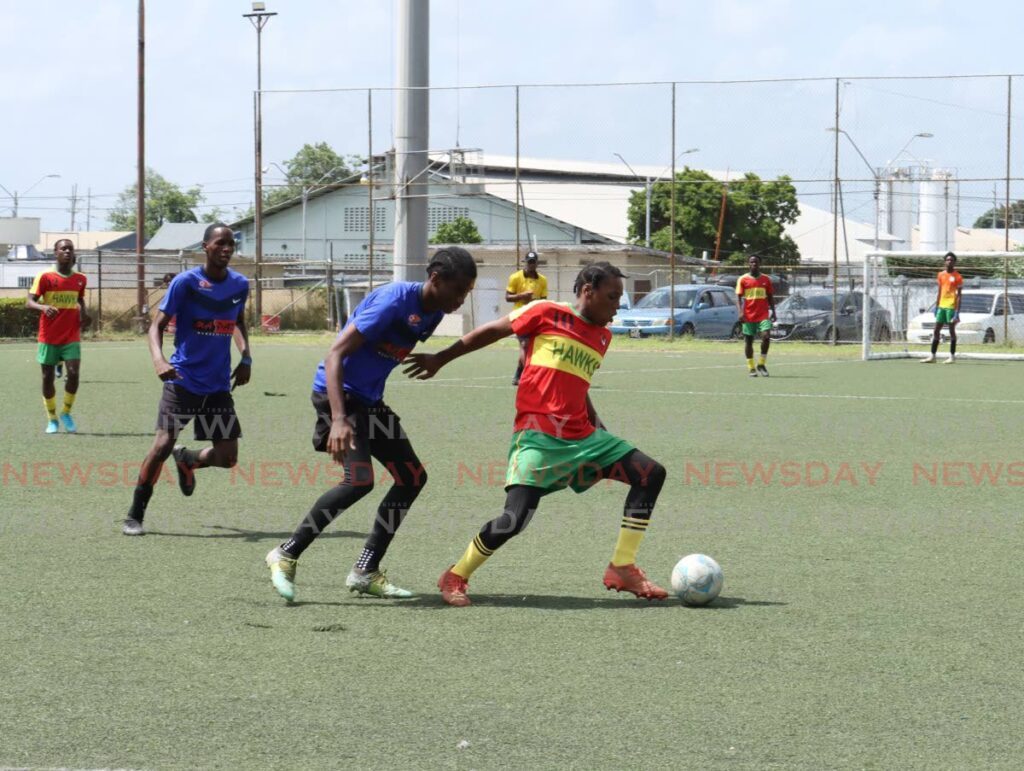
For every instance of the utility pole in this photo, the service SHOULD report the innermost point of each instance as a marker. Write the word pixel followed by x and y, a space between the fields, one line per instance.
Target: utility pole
pixel 88 208
pixel 259 18
pixel 74 205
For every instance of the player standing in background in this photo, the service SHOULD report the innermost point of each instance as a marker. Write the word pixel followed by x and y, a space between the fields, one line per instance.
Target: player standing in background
pixel 559 441
pixel 947 308
pixel 525 286
pixel 59 296
pixel 757 312
pixel 208 303
pixel 354 424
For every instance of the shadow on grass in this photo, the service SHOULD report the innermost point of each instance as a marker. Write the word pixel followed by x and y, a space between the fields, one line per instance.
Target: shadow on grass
pixel 252 536
pixel 110 382
pixel 148 434
pixel 543 602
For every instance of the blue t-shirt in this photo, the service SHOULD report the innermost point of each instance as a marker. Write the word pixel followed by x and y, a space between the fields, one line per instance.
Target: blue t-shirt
pixel 392 320
pixel 205 314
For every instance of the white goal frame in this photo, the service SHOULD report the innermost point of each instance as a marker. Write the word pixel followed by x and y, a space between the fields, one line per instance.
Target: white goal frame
pixel 874 259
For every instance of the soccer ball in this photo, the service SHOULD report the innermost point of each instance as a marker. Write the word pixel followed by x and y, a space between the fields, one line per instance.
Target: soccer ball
pixel 697 579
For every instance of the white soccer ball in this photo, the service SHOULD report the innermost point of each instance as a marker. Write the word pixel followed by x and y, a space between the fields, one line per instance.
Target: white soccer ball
pixel 697 579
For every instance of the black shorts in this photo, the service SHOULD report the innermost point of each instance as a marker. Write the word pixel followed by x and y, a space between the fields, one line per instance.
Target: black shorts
pixel 372 422
pixel 214 414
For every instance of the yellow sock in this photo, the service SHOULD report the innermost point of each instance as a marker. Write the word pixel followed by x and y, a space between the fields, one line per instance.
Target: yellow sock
pixel 630 535
pixel 69 402
pixel 50 402
pixel 750 363
pixel 476 555
pixel 764 358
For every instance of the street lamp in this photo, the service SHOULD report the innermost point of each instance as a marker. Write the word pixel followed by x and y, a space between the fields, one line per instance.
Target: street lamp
pixel 15 194
pixel 647 191
pixel 877 177
pixel 259 18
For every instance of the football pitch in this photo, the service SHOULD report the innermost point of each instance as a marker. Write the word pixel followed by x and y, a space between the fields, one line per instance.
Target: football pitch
pixel 866 515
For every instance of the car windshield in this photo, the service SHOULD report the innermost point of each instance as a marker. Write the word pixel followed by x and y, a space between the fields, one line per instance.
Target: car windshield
pixel 809 302
pixel 659 299
pixel 976 303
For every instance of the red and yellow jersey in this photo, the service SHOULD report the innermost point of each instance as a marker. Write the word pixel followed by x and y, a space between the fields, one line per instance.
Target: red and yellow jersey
pixel 563 353
pixel 63 293
pixel 948 284
pixel 519 282
pixel 753 294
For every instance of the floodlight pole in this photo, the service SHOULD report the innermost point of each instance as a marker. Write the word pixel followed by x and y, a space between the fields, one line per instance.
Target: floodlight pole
pixel 140 182
pixel 259 19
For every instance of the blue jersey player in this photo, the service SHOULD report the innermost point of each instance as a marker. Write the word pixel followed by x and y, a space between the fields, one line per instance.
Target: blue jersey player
pixel 208 305
pixel 354 424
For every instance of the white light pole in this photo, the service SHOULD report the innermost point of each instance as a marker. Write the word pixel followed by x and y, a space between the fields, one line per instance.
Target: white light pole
pixel 15 194
pixel 648 182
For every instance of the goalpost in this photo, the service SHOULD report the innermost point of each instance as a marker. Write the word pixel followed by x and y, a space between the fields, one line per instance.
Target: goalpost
pixel 902 284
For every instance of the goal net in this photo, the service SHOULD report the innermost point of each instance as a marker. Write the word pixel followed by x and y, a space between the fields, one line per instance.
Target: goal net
pixel 902 289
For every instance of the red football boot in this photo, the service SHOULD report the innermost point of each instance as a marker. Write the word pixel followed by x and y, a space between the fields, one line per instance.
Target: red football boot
pixel 453 588
pixel 630 578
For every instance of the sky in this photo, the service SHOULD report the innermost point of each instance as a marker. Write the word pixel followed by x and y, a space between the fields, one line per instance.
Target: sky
pixel 69 85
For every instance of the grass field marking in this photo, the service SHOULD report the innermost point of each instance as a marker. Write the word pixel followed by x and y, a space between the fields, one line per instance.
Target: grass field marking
pixel 770 394
pixel 657 370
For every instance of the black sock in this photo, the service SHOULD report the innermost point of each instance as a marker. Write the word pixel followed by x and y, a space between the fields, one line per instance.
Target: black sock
pixel 952 347
pixel 140 499
pixel 324 511
pixel 190 458
pixel 935 346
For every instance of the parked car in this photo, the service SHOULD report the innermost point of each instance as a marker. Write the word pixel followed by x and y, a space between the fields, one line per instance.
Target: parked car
pixel 982 320
pixel 780 284
pixel 700 310
pixel 807 315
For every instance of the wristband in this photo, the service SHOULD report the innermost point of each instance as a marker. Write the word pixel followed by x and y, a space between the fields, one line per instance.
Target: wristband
pixel 246 360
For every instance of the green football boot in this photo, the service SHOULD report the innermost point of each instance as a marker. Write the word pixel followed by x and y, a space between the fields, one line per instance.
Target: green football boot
pixel 377 585
pixel 282 572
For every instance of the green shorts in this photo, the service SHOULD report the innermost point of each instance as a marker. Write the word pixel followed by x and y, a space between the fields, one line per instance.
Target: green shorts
pixel 945 316
pixel 539 460
pixel 52 355
pixel 753 327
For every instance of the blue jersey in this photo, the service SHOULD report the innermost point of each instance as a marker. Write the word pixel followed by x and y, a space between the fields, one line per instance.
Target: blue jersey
pixel 205 314
pixel 392 320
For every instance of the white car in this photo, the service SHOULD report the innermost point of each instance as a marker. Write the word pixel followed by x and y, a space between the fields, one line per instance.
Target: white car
pixel 982 319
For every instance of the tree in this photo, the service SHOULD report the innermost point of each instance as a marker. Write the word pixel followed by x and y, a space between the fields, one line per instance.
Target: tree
pixel 313 166
pixel 165 202
pixel 996 217
pixel 460 230
pixel 756 213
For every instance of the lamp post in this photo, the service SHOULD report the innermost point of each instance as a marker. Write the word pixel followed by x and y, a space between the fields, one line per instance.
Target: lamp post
pixel 648 182
pixel 877 177
pixel 259 18
pixel 15 194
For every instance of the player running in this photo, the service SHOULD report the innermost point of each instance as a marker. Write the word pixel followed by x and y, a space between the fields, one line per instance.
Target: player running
pixel 59 296
pixel 208 304
pixel 559 441
pixel 354 424
pixel 757 312
pixel 947 308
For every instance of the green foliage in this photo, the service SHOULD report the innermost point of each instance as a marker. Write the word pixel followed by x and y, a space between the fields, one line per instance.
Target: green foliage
pixel 974 267
pixel 460 230
pixel 756 213
pixel 165 202
pixel 313 166
pixel 17 320
pixel 996 217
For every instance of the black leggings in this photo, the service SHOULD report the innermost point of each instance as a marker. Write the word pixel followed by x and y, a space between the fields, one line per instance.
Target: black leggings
pixel 645 477
pixel 379 436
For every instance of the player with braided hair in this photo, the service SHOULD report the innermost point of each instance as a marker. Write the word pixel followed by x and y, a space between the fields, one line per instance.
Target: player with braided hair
pixel 559 441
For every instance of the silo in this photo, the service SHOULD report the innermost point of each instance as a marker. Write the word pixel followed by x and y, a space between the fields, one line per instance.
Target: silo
pixel 896 205
pixel 938 217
